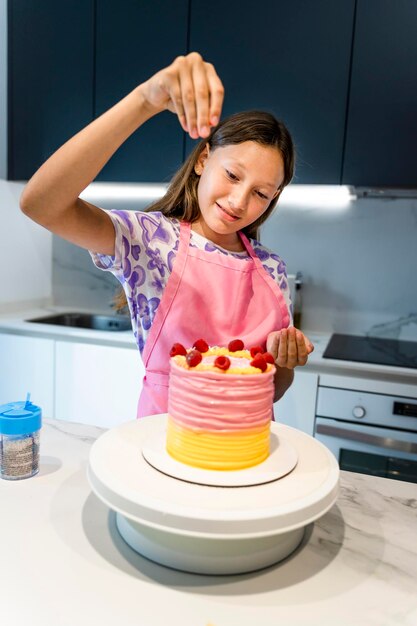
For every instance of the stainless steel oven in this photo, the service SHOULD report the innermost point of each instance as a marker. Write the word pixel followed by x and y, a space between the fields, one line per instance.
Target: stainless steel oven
pixel 369 433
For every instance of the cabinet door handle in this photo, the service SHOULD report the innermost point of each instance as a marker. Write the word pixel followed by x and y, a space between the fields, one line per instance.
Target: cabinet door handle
pixel 353 435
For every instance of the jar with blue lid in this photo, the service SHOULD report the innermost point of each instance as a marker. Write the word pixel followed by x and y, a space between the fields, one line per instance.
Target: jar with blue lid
pixel 20 425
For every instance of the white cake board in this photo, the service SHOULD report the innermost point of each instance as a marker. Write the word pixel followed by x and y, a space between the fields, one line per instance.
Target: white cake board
pixel 207 529
pixel 282 460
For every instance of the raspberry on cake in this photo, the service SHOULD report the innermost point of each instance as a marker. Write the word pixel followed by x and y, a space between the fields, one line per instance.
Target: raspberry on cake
pixel 220 406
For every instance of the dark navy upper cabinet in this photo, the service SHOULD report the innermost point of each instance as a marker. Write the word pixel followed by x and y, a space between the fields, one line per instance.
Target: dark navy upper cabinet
pixel 50 96
pixel 133 41
pixel 382 117
pixel 290 58
pixel 341 75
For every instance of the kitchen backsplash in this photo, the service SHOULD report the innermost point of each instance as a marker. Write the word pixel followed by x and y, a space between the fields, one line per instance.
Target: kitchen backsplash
pixel 358 262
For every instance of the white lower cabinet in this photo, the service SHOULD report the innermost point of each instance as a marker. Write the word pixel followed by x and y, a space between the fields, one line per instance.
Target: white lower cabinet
pixel 297 407
pixel 27 365
pixel 95 384
pixel 100 384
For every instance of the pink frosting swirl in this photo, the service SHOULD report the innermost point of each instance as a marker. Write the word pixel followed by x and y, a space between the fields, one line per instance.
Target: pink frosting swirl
pixel 211 401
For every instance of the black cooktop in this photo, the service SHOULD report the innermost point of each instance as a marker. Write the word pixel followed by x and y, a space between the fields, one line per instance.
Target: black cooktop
pixel 372 350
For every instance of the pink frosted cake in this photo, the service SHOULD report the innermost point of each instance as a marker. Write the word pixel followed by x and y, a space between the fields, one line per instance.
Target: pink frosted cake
pixel 220 405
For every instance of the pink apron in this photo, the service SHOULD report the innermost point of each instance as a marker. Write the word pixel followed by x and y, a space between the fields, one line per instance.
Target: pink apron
pixel 210 296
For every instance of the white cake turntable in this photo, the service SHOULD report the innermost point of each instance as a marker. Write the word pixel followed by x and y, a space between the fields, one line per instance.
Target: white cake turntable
pixel 211 522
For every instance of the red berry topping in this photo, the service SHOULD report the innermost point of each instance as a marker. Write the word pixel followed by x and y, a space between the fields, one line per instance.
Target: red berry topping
pixel 201 345
pixel 222 362
pixel 193 358
pixel 178 348
pixel 255 350
pixel 259 362
pixel 235 345
pixel 268 358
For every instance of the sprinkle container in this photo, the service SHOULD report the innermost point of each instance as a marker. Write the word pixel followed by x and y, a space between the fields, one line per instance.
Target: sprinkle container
pixel 20 424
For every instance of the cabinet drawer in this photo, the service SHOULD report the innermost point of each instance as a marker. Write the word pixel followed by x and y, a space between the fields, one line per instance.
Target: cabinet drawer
pixel 370 408
pixel 96 384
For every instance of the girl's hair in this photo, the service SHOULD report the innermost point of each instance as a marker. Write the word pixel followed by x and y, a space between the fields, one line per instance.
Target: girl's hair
pixel 181 200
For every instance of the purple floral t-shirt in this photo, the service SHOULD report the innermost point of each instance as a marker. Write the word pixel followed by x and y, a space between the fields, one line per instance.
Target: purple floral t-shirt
pixel 145 250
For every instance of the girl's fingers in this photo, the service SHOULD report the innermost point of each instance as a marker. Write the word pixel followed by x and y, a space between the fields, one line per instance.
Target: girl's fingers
pixel 191 88
pixel 282 349
pixel 301 348
pixel 292 358
pixel 272 342
pixel 216 94
pixel 201 90
pixel 177 104
pixel 201 94
pixel 208 92
pixel 309 345
pixel 195 94
pixel 188 99
pixel 289 346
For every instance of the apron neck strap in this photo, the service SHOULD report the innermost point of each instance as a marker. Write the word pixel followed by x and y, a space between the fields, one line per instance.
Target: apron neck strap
pixel 185 235
pixel 247 245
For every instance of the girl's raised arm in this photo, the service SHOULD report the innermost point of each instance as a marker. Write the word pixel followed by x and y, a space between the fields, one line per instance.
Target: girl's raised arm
pixel 188 87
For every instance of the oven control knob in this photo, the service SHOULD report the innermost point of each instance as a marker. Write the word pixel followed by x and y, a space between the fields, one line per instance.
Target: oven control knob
pixel 359 412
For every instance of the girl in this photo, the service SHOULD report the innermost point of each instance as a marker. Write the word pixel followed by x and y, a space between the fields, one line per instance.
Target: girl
pixel 188 267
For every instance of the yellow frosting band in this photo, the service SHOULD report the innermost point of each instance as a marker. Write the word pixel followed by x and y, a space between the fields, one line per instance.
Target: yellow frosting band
pixel 218 451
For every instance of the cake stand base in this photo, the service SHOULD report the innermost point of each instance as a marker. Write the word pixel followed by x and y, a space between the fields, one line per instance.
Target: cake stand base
pixel 210 529
pixel 207 555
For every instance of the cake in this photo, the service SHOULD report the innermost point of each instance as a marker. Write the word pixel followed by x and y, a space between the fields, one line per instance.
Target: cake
pixel 220 405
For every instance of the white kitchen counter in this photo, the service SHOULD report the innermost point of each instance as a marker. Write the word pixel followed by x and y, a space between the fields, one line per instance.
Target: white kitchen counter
pixel 316 362
pixel 64 564
pixel 16 324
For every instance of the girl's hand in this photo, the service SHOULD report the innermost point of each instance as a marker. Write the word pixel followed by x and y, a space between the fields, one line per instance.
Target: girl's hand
pixel 190 88
pixel 289 347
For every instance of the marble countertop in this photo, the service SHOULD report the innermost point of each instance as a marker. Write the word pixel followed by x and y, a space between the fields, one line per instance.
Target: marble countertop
pixel 63 562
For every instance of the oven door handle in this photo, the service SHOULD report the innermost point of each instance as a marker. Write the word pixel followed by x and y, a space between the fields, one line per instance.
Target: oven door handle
pixel 381 442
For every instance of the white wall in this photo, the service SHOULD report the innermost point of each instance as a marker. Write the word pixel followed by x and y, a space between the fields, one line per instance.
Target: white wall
pixel 25 247
pixel 25 254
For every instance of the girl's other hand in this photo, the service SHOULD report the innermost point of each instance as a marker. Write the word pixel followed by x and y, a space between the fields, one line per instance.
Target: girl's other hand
pixel 190 88
pixel 289 347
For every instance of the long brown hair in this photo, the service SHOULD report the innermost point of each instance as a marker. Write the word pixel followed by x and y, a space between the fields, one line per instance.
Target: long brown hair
pixel 181 201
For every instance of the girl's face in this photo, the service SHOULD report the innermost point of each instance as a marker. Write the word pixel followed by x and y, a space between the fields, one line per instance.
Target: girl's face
pixel 237 184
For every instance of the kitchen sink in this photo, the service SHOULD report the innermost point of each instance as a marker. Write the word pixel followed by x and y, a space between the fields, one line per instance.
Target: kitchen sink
pixel 86 320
